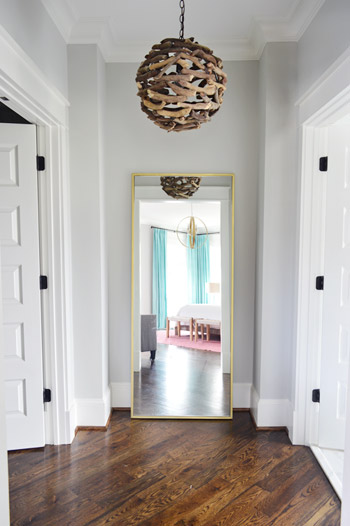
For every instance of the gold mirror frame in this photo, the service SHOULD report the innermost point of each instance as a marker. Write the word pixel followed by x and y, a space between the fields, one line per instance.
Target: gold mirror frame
pixel 158 175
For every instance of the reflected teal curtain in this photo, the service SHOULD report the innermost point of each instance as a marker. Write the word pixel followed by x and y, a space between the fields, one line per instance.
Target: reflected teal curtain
pixel 198 271
pixel 159 301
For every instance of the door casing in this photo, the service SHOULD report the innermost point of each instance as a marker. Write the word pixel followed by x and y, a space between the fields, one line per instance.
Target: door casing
pixel 26 90
pixel 326 102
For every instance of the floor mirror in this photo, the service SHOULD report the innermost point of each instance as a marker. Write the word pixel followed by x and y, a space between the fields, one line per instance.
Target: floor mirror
pixel 182 295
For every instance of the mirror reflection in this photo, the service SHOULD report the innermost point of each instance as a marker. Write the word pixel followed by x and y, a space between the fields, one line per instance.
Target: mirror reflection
pixel 182 319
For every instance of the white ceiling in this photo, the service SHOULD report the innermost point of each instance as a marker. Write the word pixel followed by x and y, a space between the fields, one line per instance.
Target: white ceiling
pixel 168 214
pixel 236 29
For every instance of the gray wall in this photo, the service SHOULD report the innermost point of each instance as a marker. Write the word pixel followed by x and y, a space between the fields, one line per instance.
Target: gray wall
pixel 326 38
pixel 228 144
pixel 29 24
pixel 276 262
pixel 87 152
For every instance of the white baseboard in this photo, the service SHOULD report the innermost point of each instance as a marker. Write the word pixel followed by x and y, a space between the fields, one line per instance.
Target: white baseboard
pixel 296 432
pixel 290 420
pixel 71 423
pixel 241 395
pixel 93 412
pixel 269 412
pixel 121 394
pixel 254 401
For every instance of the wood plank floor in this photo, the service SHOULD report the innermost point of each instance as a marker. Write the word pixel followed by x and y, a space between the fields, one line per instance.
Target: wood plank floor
pixel 172 473
pixel 203 390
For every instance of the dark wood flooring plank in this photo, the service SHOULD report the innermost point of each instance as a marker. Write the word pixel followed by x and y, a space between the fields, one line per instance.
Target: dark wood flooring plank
pixel 172 473
pixel 327 514
pixel 242 511
pixel 184 509
pixel 296 512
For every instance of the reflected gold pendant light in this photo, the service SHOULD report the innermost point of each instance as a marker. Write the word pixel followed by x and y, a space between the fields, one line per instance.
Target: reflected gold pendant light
pixel 191 240
pixel 181 83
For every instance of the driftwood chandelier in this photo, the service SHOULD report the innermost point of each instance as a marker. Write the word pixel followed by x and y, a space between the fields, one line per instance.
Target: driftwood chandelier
pixel 181 83
pixel 180 187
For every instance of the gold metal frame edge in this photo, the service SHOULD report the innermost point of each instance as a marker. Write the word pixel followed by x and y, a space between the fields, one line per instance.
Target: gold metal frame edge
pixel 168 417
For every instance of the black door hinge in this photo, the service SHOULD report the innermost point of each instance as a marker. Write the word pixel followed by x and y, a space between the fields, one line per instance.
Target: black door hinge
pixel 40 163
pixel 46 395
pixel 43 282
pixel 323 164
pixel 320 283
pixel 316 395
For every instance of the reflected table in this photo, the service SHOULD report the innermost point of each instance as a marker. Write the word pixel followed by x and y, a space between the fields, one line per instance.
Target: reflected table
pixel 181 321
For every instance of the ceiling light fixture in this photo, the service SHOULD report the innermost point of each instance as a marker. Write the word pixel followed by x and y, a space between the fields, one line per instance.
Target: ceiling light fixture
pixel 192 234
pixel 180 187
pixel 180 82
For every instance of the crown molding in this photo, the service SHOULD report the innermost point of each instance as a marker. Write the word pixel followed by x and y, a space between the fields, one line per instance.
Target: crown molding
pixel 291 28
pixel 303 15
pixel 99 31
pixel 240 49
pixel 94 31
pixel 63 16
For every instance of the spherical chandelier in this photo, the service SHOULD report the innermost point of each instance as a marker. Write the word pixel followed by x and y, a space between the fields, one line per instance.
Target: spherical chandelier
pixel 180 187
pixel 181 83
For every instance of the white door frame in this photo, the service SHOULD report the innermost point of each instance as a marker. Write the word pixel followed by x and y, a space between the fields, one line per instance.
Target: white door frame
pixel 322 106
pixel 325 103
pixel 31 95
pixel 314 145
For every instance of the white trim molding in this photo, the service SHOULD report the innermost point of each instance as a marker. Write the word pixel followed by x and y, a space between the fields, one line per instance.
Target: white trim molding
pixel 71 423
pixel 241 395
pixel 310 264
pixel 327 94
pixel 319 108
pixel 268 412
pixel 76 28
pixel 120 394
pixel 31 95
pixel 63 14
pixel 93 412
pixel 27 83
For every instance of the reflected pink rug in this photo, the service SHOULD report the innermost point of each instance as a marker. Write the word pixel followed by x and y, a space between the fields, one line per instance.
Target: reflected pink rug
pixel 184 341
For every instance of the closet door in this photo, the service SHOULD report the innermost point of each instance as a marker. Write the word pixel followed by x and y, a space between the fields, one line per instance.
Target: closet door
pixel 336 299
pixel 20 272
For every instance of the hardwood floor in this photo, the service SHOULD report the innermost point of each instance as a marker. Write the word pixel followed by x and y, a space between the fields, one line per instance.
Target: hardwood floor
pixel 172 473
pixel 181 382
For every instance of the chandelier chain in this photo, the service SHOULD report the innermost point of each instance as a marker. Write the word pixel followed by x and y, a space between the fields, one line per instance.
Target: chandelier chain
pixel 182 19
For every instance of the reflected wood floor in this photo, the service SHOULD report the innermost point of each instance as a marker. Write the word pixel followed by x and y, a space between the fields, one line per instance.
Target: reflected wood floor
pixel 172 473
pixel 181 382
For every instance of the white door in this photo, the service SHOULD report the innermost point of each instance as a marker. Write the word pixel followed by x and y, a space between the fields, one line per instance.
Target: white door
pixel 336 299
pixel 20 282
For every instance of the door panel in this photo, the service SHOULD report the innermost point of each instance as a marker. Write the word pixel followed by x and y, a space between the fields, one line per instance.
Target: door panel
pixel 20 279
pixel 336 303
